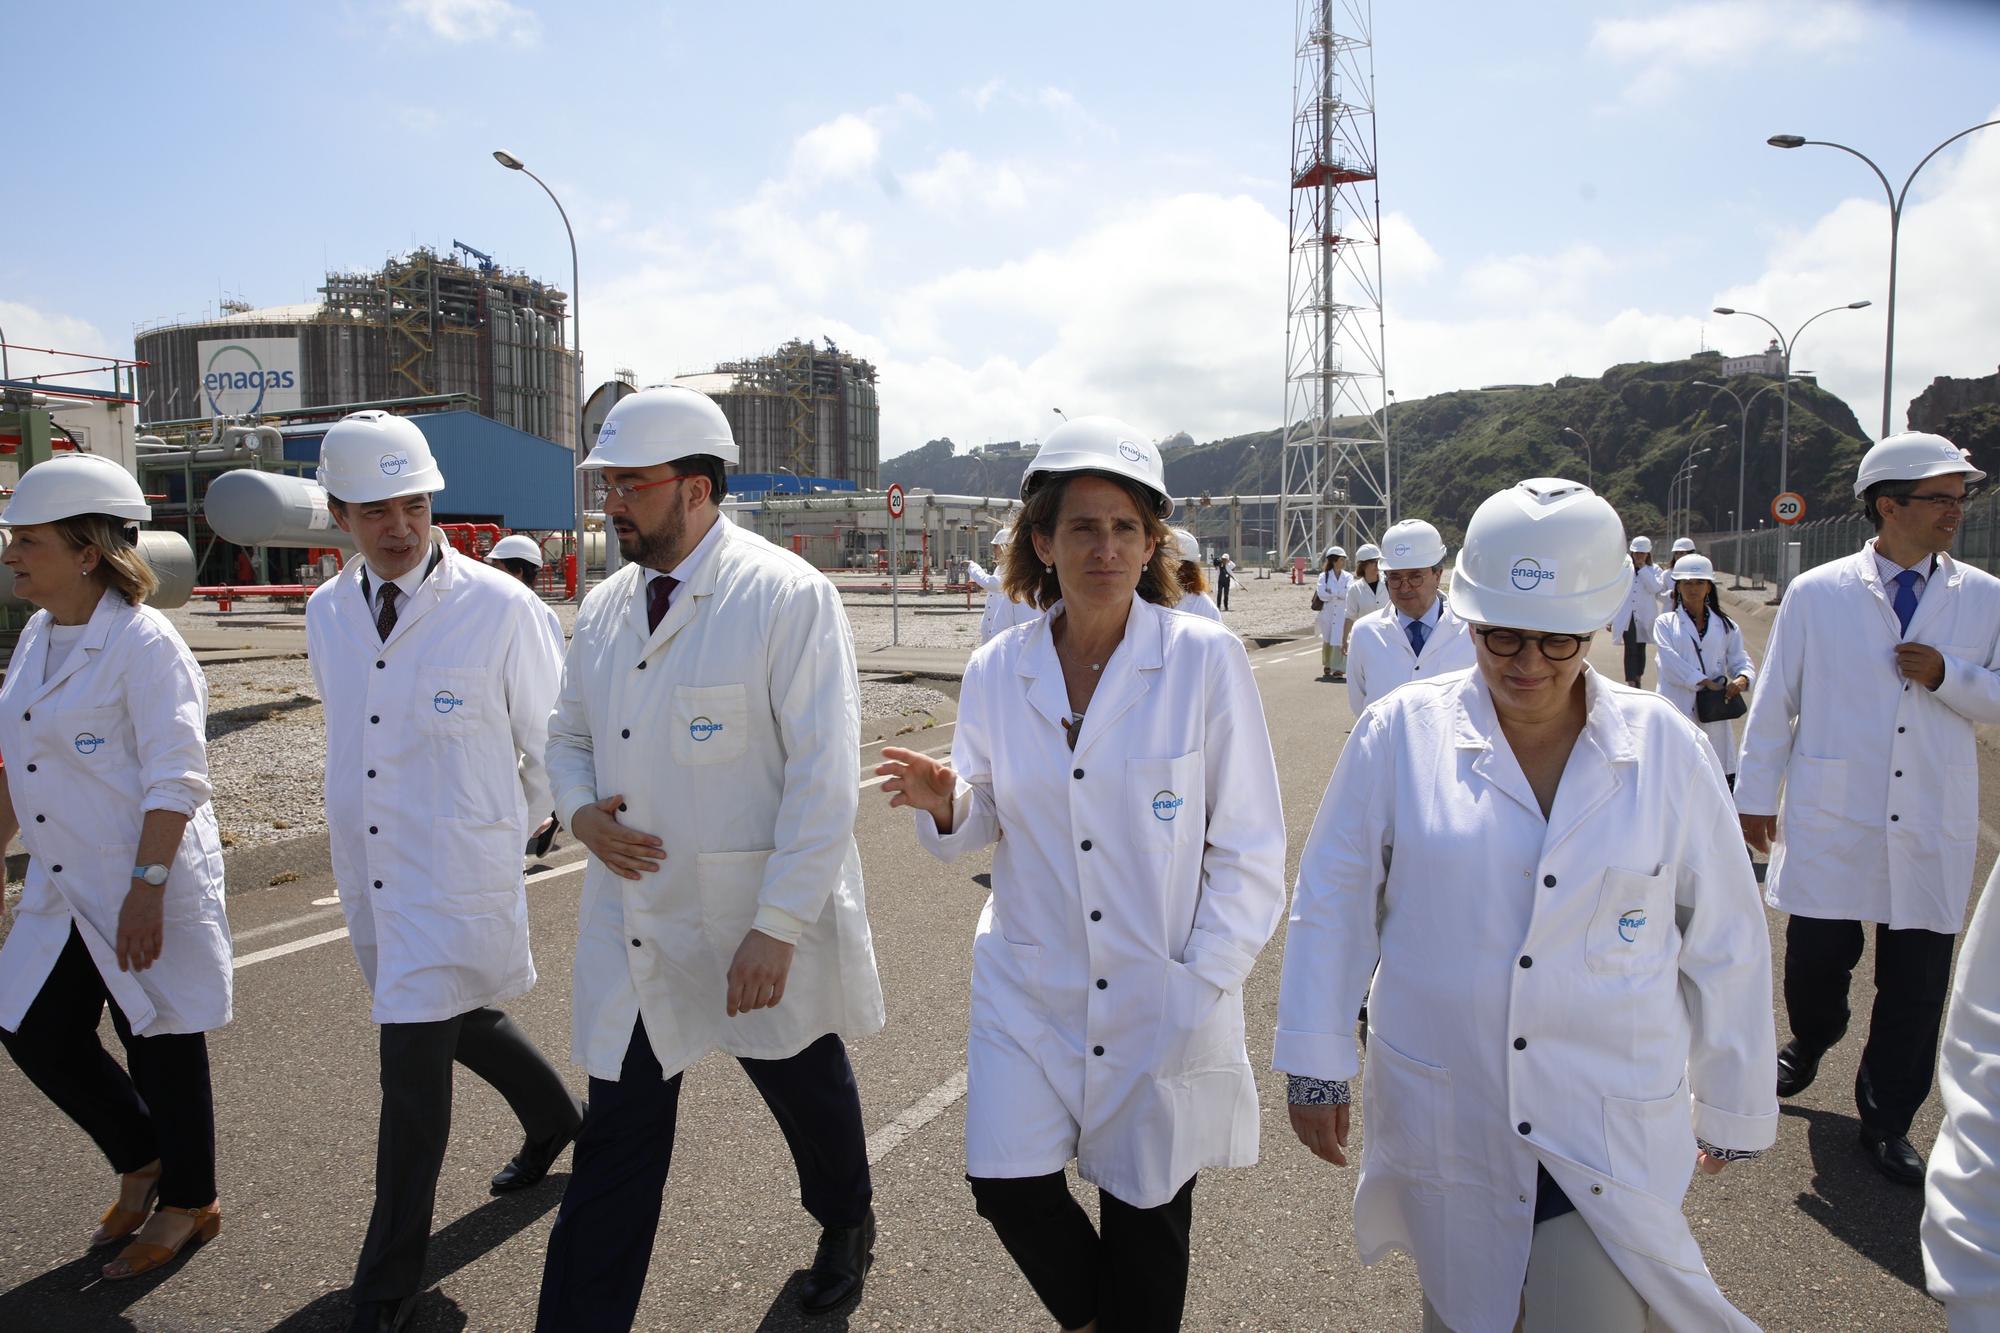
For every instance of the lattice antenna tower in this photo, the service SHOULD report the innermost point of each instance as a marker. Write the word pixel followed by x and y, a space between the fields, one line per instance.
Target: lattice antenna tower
pixel 1334 466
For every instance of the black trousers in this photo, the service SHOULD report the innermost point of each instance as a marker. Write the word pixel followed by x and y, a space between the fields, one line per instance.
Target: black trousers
pixel 1131 1277
pixel 1912 979
pixel 603 1238
pixel 1222 594
pixel 164 1109
pixel 1635 653
pixel 416 1122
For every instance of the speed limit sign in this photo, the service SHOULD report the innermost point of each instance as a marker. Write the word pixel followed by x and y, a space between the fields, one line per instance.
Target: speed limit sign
pixel 895 499
pixel 1789 507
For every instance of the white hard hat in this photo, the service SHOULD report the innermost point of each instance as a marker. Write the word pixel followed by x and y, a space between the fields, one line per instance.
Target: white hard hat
pixel 1003 537
pixel 1912 456
pixel 1694 567
pixel 73 485
pixel 1340 551
pixel 1190 549
pixel 1641 545
pixel 662 425
pixel 1545 555
pixel 517 546
pixel 1368 552
pixel 1412 544
pixel 1683 545
pixel 376 455
pixel 1101 444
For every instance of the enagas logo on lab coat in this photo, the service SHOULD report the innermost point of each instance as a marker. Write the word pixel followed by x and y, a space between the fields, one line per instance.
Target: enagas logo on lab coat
pixel 391 464
pixel 1528 574
pixel 87 743
pixel 702 728
pixel 1166 805
pixel 1630 922
pixel 444 701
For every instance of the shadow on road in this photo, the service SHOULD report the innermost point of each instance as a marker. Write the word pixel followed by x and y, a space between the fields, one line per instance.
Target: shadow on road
pixel 784 1316
pixel 76 1296
pixel 1871 1215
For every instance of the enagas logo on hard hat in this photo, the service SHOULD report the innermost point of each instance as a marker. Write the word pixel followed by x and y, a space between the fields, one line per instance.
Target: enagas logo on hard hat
pixel 1400 549
pixel 1528 574
pixel 1166 805
pixel 444 701
pixel 1630 922
pixel 391 464
pixel 87 743
pixel 703 728
pixel 1131 452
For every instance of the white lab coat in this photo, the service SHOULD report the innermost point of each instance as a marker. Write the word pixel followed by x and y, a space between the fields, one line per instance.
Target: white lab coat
pixel 1644 602
pixel 1331 618
pixel 1152 857
pixel 1620 939
pixel 1687 659
pixel 434 779
pixel 1363 600
pixel 1961 1228
pixel 1379 657
pixel 118 730
pixel 733 732
pixel 1881 807
pixel 1001 611
pixel 1199 604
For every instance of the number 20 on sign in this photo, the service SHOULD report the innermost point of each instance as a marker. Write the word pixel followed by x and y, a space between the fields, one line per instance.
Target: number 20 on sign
pixel 1789 507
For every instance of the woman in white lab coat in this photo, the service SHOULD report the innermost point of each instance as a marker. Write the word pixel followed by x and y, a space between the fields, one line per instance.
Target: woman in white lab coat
pixel 1573 1003
pixel 1641 606
pixel 1702 652
pixel 1367 591
pixel 1194 584
pixel 102 720
pixel 1118 754
pixel 1330 614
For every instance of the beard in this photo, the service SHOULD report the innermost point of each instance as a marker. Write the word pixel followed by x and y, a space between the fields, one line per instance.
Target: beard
pixel 657 548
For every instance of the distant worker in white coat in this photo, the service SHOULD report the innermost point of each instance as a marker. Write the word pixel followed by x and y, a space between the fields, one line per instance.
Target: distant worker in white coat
pixel 1876 672
pixel 1118 754
pixel 1416 636
pixel 1330 614
pixel 437 672
pixel 1194 584
pixel 1572 1009
pixel 1644 602
pixel 521 555
pixel 1001 611
pixel 1704 668
pixel 1366 592
pixel 1961 1227
pixel 703 748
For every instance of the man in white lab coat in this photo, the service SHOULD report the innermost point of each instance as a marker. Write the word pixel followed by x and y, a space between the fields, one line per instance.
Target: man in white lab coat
pixel 1643 603
pixel 1961 1228
pixel 705 749
pixel 437 673
pixel 1415 637
pixel 1878 668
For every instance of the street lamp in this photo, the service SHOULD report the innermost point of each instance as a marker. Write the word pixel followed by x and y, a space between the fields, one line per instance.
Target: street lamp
pixel 1896 199
pixel 1589 468
pixel 1785 413
pixel 1742 449
pixel 1059 412
pixel 1686 473
pixel 512 163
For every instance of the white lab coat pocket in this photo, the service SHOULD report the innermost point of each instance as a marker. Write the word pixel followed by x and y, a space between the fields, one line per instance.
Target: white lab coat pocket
pixel 1961 801
pixel 1649 1143
pixel 182 895
pixel 1167 813
pixel 729 884
pixel 478 862
pixel 101 737
pixel 1200 1028
pixel 708 724
pixel 1815 791
pixel 451 700
pixel 1632 931
pixel 1406 1108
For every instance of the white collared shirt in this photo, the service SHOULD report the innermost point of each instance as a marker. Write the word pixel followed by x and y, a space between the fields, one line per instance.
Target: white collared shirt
pixel 1889 569
pixel 406 584
pixel 682 572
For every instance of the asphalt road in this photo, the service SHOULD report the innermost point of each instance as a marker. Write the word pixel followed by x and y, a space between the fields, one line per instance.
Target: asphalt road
pixel 1808 1238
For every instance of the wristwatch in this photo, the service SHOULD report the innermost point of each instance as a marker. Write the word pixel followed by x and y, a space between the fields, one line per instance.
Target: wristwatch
pixel 155 875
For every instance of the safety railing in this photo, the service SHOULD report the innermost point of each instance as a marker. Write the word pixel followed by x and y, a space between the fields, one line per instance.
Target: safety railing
pixel 1759 555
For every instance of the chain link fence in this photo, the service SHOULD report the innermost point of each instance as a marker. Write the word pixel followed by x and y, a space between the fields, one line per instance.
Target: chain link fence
pixel 1759 556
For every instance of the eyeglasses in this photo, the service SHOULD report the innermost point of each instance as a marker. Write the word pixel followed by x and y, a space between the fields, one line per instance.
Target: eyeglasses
pixel 630 489
pixel 1554 647
pixel 1942 503
pixel 1413 578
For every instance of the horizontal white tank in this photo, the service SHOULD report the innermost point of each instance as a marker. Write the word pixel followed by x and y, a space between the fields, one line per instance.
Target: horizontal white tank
pixel 170 556
pixel 252 508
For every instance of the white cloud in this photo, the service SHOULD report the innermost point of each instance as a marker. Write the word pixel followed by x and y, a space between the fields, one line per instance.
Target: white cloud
pixel 842 148
pixel 26 327
pixel 475 20
pixel 958 183
pixel 1662 49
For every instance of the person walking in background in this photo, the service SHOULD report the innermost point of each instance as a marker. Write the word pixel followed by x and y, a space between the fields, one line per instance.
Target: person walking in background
pixel 1643 603
pixel 1415 636
pixel 1704 668
pixel 1329 604
pixel 1001 611
pixel 1225 578
pixel 105 714
pixel 1366 593
pixel 1876 672
pixel 1194 584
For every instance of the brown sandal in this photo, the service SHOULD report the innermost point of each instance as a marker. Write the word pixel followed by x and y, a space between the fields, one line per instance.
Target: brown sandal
pixel 119 1222
pixel 144 1256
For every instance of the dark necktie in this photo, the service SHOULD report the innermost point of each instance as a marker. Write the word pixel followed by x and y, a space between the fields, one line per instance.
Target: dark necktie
pixel 658 593
pixel 1418 633
pixel 1906 597
pixel 385 618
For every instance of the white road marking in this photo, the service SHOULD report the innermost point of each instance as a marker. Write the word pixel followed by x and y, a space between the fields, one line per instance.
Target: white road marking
pixel 914 1117
pixel 280 950
pixel 289 922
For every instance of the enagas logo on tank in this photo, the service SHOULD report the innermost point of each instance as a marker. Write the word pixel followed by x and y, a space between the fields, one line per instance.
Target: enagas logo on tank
pixel 236 381
pixel 445 701
pixel 87 743
pixel 703 728
pixel 1528 574
pixel 1166 805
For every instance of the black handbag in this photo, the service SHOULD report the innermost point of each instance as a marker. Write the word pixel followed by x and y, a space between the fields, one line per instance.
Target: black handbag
pixel 1715 705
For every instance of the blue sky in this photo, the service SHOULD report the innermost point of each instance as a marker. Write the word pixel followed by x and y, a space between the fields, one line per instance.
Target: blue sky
pixel 1014 207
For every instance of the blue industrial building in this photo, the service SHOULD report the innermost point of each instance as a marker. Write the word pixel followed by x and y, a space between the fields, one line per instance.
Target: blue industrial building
pixel 493 473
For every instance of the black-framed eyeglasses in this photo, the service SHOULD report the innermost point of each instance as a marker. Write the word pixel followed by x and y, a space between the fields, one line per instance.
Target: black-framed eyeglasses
pixel 1553 647
pixel 1944 503
pixel 1407 578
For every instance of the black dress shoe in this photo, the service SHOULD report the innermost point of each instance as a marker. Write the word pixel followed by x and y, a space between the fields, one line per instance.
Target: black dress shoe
pixel 382 1316
pixel 1796 1070
pixel 532 1163
pixel 1893 1156
pixel 839 1268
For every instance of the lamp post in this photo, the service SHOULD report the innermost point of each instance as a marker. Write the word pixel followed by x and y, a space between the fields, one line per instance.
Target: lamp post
pixel 1059 412
pixel 1896 198
pixel 1785 378
pixel 1684 474
pixel 512 163
pixel 1589 468
pixel 1742 450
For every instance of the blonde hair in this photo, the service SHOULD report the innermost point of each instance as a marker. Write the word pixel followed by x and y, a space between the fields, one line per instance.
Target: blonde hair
pixel 1026 579
pixel 120 567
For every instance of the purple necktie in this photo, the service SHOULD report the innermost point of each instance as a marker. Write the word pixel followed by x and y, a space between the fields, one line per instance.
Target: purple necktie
pixel 658 593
